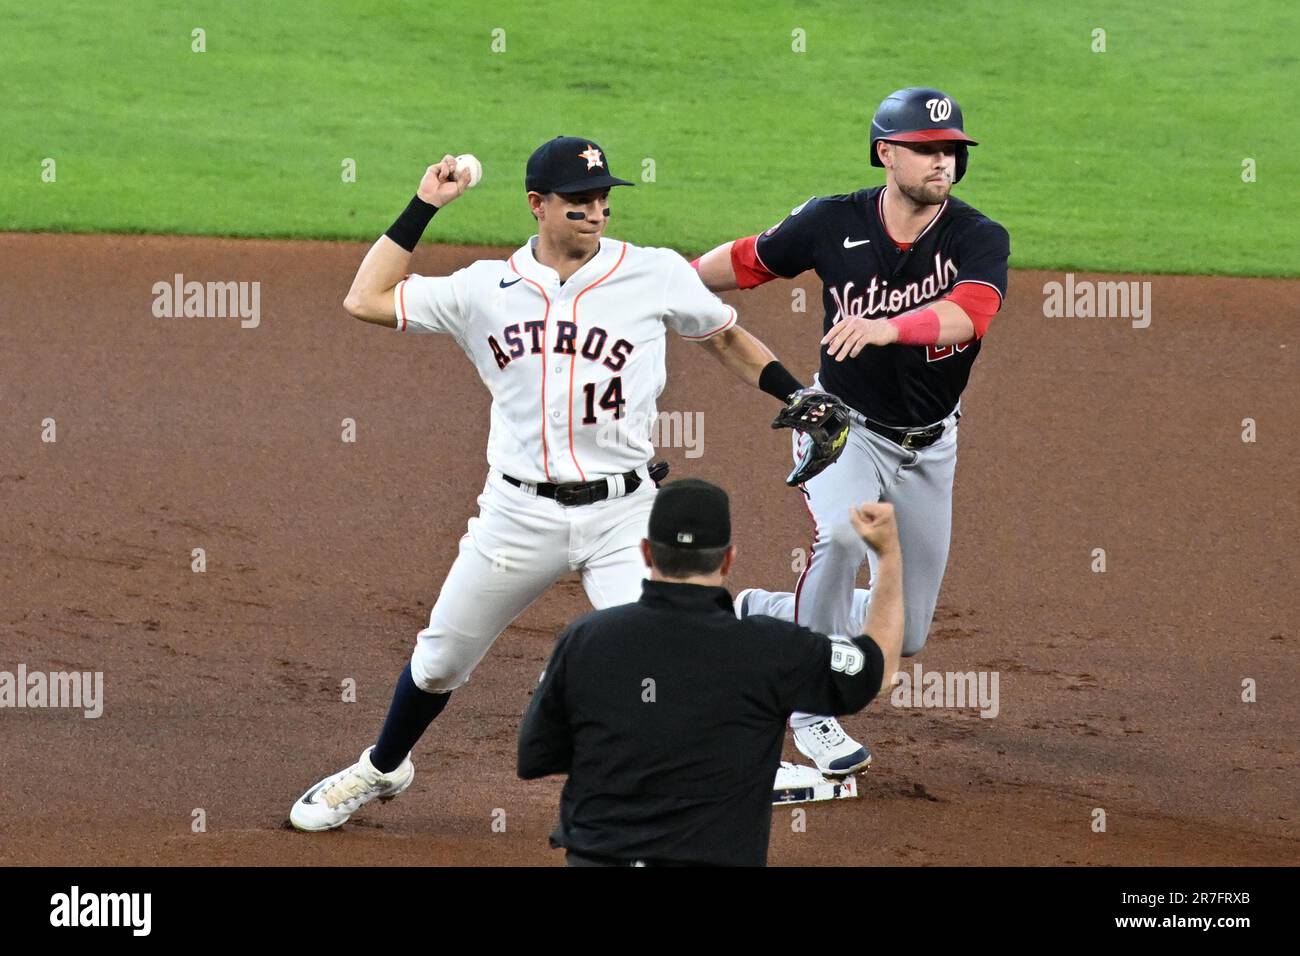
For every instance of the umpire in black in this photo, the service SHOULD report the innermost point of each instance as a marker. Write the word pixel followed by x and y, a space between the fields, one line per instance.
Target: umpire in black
pixel 669 714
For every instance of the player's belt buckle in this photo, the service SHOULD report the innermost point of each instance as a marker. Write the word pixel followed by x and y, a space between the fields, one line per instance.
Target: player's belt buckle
pixel 577 493
pixel 922 439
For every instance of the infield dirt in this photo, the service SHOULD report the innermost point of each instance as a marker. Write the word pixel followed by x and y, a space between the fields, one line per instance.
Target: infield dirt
pixel 1120 690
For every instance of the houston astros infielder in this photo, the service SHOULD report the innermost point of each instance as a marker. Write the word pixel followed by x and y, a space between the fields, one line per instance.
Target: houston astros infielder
pixel 911 277
pixel 568 334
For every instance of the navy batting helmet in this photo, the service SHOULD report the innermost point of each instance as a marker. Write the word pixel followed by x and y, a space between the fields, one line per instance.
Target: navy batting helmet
pixel 919 114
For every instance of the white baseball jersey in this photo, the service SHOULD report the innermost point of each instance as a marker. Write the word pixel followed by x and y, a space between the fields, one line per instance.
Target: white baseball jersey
pixel 575 368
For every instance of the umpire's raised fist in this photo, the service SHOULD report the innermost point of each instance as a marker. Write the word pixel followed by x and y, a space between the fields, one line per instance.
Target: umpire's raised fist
pixel 874 523
pixel 440 185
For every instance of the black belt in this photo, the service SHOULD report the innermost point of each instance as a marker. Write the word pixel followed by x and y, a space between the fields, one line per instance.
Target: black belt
pixel 575 858
pixel 909 438
pixel 573 493
pixel 595 859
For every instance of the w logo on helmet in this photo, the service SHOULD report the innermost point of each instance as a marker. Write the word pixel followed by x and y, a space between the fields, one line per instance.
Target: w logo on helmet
pixel 920 114
pixel 940 109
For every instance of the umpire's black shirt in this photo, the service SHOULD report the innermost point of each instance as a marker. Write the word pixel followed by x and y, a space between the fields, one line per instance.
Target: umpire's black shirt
pixel 668 715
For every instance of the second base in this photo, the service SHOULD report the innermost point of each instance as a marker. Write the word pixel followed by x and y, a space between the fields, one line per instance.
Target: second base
pixel 796 784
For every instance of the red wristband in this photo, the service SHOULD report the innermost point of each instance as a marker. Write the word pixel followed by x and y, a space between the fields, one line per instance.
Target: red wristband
pixel 917 328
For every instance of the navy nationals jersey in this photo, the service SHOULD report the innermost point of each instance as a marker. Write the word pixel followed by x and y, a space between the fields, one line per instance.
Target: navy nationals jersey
pixel 865 275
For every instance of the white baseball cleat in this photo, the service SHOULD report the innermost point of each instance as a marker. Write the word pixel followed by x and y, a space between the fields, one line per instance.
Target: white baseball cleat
pixel 331 802
pixel 835 753
pixel 742 598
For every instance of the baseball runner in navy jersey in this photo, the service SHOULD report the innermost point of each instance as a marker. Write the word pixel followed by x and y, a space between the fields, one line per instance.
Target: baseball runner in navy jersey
pixel 911 278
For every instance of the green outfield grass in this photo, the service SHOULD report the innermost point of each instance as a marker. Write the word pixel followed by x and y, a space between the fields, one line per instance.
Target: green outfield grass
pixel 1128 160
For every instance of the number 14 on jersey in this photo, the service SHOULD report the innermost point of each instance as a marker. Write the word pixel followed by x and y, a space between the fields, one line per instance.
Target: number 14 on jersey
pixel 611 400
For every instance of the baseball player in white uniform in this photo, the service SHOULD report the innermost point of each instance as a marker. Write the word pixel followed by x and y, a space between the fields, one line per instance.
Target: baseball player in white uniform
pixel 568 334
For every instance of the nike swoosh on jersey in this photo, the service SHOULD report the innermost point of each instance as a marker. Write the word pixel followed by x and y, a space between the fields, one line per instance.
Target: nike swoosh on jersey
pixel 850 243
pixel 505 285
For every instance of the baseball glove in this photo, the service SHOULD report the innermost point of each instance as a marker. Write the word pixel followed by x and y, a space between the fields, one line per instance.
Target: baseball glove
pixel 825 420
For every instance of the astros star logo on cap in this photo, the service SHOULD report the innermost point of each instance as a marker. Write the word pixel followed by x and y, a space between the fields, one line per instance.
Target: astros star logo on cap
pixel 592 155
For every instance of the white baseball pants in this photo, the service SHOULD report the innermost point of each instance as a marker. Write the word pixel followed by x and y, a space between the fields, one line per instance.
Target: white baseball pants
pixel 518 546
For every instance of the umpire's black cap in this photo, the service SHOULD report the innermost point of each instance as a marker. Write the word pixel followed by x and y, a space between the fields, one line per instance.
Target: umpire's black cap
pixel 691 514
pixel 569 164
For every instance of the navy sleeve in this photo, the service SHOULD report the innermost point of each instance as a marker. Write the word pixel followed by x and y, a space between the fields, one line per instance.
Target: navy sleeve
pixel 982 252
pixel 545 737
pixel 830 675
pixel 790 247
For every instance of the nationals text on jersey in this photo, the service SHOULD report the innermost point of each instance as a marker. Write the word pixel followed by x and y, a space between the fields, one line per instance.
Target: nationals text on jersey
pixel 894 301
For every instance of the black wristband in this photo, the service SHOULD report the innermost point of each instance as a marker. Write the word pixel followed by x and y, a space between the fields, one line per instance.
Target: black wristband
pixel 409 227
pixel 776 380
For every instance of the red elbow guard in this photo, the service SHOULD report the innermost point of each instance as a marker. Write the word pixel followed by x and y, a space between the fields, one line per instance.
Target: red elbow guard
pixel 979 302
pixel 746 265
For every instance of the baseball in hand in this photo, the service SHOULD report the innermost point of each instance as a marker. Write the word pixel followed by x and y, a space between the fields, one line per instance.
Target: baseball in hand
pixel 469 161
